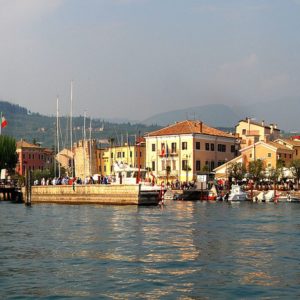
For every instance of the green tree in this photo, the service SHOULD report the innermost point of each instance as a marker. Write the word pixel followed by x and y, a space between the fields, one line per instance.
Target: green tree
pixel 256 170
pixel 295 168
pixel 237 170
pixel 8 155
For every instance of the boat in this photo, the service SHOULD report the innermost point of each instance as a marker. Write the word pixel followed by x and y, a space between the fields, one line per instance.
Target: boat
pixel 125 174
pixel 237 194
pixel 288 198
pixel 266 196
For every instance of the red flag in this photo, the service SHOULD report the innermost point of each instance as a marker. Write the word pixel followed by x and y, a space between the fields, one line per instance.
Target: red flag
pixel 3 122
pixel 162 150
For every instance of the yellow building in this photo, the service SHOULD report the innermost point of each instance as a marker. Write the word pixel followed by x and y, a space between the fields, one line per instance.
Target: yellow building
pixel 268 152
pixel 251 132
pixel 186 149
pixel 133 155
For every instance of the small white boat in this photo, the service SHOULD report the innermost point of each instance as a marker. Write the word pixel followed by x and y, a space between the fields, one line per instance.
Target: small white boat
pixel 237 194
pixel 288 198
pixel 265 196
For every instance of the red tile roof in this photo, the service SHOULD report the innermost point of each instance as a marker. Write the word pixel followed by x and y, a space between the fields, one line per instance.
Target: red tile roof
pixel 190 127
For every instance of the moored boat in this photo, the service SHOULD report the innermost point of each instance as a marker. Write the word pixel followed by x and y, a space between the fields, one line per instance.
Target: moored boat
pixel 237 194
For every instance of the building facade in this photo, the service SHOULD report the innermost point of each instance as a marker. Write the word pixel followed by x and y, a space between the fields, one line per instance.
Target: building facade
pixel 132 155
pixel 186 149
pixel 251 132
pixel 33 157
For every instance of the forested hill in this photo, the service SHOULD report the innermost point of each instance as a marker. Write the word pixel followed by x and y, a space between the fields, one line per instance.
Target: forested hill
pixel 36 127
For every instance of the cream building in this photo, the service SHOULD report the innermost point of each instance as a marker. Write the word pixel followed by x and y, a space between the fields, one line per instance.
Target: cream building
pixel 291 144
pixel 251 132
pixel 85 159
pixel 186 149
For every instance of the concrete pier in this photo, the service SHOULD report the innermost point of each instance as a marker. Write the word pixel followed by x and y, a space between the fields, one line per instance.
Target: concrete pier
pixel 93 194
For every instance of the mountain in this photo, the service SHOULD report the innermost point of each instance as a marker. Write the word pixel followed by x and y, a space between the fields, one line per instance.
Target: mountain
pixel 23 124
pixel 217 115
pixel 283 112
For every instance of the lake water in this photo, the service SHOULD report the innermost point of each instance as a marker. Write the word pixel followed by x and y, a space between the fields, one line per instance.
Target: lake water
pixel 185 250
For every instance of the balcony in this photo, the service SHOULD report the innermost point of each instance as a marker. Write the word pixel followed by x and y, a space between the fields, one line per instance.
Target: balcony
pixel 253 132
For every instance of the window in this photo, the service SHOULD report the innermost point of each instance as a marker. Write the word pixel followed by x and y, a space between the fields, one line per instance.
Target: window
pixel 244 131
pixel 24 155
pixel 212 147
pixel 290 155
pixel 153 166
pixel 250 155
pixel 197 145
pixel 221 148
pixel 207 146
pixel 296 152
pixel 119 154
pixel 130 153
pixel 163 165
pixel 174 164
pixel 232 148
pixel 184 145
pixel 153 147
pixel 198 165
pixel 112 155
pixel 184 164
pixel 123 154
pixel 212 165
pixel 269 155
pixel 173 148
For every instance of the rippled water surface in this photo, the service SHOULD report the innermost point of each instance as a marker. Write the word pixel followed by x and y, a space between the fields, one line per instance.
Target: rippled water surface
pixel 185 250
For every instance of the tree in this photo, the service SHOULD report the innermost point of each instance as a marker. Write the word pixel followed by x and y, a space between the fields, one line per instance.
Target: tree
pixel 8 155
pixel 237 171
pixel 256 170
pixel 295 168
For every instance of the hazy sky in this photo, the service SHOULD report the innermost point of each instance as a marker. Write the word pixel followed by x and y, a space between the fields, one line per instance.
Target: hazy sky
pixel 136 58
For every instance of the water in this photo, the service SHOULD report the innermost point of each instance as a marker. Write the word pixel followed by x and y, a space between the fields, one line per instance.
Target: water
pixel 186 250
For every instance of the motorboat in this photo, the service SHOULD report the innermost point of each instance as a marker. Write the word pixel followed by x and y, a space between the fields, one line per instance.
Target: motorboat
pixel 288 198
pixel 237 194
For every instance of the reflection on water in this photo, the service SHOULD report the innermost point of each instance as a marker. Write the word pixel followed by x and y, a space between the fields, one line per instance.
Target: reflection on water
pixel 184 250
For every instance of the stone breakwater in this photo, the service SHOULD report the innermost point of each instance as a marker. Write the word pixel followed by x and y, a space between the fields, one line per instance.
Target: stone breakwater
pixel 92 194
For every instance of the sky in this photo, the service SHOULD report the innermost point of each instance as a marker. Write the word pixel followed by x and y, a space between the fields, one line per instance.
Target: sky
pixel 135 58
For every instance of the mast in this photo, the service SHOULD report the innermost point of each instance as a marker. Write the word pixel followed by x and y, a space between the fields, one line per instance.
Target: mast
pixel 71 131
pixel 57 133
pixel 84 138
pixel 90 172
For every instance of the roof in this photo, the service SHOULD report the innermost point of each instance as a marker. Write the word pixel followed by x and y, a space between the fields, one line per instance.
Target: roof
pixel 290 141
pixel 259 124
pixel 190 127
pixel 274 146
pixel 279 146
pixel 25 144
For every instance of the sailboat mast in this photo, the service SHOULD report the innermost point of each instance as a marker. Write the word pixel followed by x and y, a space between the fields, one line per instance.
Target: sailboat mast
pixel 84 138
pixel 71 131
pixel 90 147
pixel 57 134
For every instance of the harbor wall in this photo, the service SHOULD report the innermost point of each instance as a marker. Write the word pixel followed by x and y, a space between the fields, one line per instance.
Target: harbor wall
pixel 91 194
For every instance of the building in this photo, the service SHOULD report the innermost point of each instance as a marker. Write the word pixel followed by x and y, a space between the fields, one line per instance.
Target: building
pixel 33 157
pixel 64 158
pixel 85 159
pixel 186 149
pixel 133 155
pixel 293 144
pixel 251 132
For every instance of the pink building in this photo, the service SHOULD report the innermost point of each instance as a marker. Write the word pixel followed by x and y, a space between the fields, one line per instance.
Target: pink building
pixel 32 157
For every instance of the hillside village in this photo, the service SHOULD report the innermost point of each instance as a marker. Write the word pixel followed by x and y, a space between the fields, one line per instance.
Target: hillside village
pixel 179 152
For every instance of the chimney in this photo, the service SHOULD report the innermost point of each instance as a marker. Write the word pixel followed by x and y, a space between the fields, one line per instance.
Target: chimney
pixel 200 126
pixel 263 123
